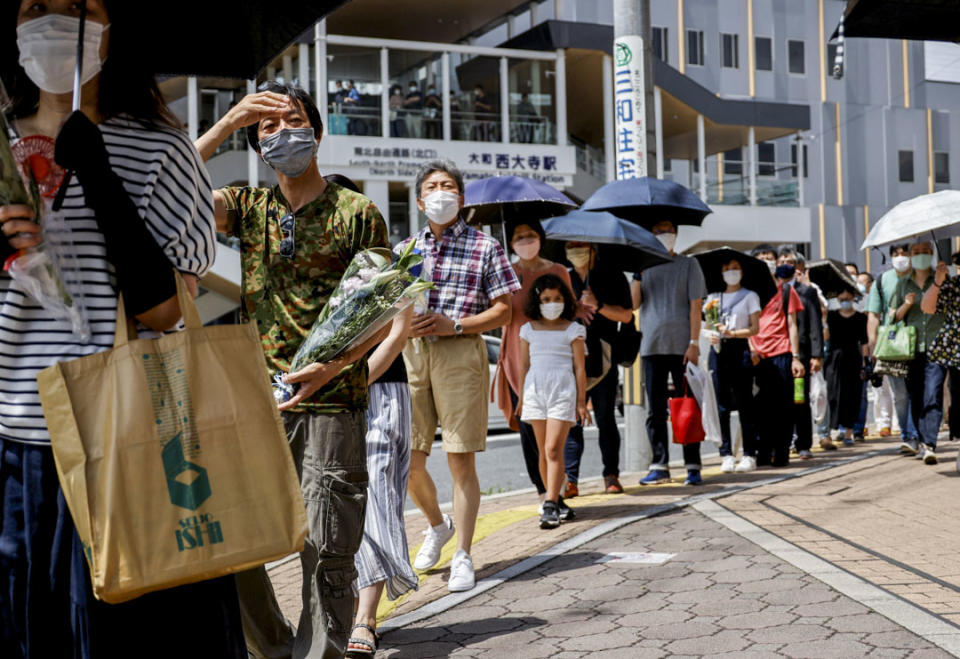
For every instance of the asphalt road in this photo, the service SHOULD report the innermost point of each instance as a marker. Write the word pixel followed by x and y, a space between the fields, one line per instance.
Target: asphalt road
pixel 501 468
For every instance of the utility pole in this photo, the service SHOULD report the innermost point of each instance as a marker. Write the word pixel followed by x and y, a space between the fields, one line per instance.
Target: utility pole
pixel 633 108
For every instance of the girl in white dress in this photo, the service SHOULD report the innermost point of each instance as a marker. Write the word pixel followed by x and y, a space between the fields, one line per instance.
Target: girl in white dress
pixel 554 382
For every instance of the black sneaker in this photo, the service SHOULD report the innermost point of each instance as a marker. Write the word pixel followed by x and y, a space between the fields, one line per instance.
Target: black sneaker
pixel 550 518
pixel 909 447
pixel 565 512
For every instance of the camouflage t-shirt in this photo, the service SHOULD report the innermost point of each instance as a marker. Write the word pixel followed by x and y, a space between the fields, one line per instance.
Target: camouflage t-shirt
pixel 285 296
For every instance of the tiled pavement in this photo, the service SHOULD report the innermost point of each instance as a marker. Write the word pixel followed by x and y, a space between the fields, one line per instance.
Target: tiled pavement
pixel 720 595
pixel 889 520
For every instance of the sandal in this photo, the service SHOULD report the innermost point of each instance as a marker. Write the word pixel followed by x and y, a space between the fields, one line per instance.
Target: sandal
pixel 369 648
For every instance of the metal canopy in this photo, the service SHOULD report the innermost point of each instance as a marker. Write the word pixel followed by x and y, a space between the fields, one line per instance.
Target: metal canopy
pixel 922 20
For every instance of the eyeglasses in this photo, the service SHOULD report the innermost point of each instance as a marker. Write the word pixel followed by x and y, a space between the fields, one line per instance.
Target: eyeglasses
pixel 288 242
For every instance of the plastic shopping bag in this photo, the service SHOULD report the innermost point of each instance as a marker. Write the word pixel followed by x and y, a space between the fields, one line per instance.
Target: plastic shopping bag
pixel 701 385
pixel 818 396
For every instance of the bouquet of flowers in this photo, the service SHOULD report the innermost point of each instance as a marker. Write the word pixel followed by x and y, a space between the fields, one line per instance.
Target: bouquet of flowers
pixel 711 312
pixel 29 180
pixel 372 291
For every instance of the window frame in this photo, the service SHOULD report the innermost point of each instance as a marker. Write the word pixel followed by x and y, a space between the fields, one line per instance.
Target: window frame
pixel 756 59
pixel 795 165
pixel 733 167
pixel 936 169
pixel 900 165
pixel 734 50
pixel 700 50
pixel 664 42
pixel 803 58
pixel 770 164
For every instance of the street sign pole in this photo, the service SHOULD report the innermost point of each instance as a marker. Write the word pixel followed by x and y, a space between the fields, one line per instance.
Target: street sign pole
pixel 633 108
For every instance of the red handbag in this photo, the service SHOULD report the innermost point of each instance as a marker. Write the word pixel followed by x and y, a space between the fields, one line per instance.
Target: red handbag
pixel 686 419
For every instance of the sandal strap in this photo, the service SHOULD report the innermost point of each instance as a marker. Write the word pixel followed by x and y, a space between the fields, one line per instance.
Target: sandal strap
pixel 361 625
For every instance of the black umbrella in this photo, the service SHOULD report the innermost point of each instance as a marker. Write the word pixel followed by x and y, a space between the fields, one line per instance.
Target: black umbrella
pixel 756 274
pixel 221 38
pixel 923 20
pixel 620 244
pixel 648 200
pixel 832 278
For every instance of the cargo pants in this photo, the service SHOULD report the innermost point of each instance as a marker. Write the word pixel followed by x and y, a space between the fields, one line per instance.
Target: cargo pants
pixel 329 451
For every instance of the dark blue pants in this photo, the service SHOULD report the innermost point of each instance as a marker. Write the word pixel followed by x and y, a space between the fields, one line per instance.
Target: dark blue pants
pixel 603 396
pixel 861 423
pixel 775 416
pixel 47 608
pixel 925 387
pixel 733 384
pixel 656 368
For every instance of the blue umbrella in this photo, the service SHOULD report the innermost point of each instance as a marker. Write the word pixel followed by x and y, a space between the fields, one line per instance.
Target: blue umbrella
pixel 649 200
pixel 620 244
pixel 501 199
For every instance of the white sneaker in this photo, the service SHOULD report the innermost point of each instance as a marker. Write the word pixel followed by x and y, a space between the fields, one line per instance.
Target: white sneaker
pixel 958 462
pixel 433 542
pixel 461 572
pixel 728 464
pixel 929 456
pixel 747 463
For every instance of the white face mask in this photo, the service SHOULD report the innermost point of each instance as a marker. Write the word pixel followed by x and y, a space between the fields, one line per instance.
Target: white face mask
pixel 551 310
pixel 732 277
pixel 668 240
pixel 48 51
pixel 441 206
pixel 901 263
pixel 772 265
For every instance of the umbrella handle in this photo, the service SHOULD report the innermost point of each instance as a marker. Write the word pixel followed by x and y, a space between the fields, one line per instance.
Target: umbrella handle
pixel 78 69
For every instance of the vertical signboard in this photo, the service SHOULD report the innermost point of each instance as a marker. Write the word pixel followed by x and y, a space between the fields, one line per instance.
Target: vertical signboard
pixel 630 107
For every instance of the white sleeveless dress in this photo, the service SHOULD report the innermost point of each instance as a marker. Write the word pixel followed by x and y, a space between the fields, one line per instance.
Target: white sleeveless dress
pixel 550 388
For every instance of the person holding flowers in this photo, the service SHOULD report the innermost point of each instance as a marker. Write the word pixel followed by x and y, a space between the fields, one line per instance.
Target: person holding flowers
pixel 733 316
pixel 298 239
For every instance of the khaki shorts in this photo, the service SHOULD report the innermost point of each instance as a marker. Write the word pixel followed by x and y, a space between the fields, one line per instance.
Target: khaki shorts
pixel 450 385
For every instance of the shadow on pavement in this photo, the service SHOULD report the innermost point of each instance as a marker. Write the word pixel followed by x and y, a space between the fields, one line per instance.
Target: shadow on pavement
pixel 406 642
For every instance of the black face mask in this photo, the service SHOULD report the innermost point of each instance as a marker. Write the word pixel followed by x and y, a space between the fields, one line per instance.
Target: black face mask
pixel 785 271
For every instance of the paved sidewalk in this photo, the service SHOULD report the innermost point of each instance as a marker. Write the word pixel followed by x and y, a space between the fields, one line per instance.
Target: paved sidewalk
pixel 888 585
pixel 719 594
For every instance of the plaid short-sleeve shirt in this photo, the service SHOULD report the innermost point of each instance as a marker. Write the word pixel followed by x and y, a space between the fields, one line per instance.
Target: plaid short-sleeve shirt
pixel 468 268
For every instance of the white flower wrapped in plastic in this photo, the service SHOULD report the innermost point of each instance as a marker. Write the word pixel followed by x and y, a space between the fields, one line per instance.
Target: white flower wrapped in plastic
pixel 372 291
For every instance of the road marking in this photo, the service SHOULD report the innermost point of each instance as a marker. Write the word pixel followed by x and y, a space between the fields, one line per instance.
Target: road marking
pixel 905 614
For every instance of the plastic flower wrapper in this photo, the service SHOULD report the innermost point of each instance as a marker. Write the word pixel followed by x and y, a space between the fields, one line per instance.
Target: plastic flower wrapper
pixel 370 294
pixel 38 271
pixel 711 312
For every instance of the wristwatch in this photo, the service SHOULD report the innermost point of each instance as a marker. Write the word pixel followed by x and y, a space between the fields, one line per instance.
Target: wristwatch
pixel 457 327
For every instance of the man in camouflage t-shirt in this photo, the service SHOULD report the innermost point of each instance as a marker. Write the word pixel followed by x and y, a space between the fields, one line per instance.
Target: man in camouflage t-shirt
pixel 297 239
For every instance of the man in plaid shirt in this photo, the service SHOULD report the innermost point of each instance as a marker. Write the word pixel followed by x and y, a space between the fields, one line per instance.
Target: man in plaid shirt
pixel 446 360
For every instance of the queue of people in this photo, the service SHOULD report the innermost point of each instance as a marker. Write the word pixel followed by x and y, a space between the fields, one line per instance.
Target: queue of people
pixel 361 426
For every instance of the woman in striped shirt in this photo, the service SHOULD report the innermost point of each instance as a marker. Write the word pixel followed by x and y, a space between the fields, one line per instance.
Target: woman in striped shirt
pixel 138 206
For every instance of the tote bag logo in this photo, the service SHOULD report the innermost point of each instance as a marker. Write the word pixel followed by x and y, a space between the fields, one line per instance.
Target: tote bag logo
pixel 187 481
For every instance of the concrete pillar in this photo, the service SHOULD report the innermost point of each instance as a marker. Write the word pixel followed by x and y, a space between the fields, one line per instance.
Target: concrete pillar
pixel 253 158
pixel 271 73
pixel 752 164
pixel 702 157
pixel 801 196
pixel 303 62
pixel 504 100
pixel 288 68
pixel 385 95
pixel 658 131
pixel 414 212
pixel 445 93
pixel 609 124
pixel 560 10
pixel 561 99
pixel 193 108
pixel 379 193
pixel 320 69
